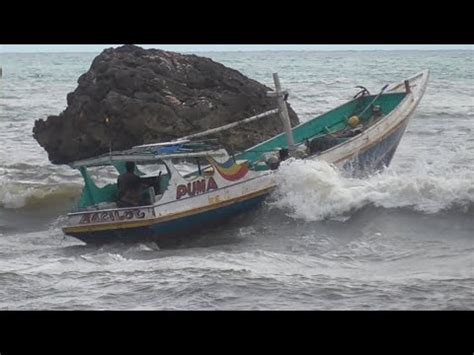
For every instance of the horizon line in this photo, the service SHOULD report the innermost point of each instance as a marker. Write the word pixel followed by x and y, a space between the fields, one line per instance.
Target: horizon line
pixel 192 48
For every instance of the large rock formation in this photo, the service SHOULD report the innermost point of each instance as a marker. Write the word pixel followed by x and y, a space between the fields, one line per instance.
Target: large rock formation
pixel 153 96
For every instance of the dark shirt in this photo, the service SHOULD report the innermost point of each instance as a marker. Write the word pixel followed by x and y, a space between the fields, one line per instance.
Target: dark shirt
pixel 128 182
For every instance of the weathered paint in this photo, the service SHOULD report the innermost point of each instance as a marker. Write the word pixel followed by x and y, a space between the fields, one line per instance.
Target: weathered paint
pixel 362 154
pixel 177 209
pixel 170 228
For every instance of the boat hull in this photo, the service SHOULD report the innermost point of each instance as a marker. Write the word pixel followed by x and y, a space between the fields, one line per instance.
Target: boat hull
pixel 373 149
pixel 167 232
pixel 376 157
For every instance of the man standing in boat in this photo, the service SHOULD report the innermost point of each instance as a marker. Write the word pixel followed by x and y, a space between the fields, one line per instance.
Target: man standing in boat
pixel 129 187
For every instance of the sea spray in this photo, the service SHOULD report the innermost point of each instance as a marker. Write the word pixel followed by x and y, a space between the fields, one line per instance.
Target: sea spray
pixel 315 190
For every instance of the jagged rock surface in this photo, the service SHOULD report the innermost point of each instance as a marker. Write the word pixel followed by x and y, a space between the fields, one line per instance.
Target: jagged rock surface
pixel 153 96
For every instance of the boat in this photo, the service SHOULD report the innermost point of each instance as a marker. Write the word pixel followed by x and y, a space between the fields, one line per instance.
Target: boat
pixel 360 149
pixel 359 137
pixel 178 203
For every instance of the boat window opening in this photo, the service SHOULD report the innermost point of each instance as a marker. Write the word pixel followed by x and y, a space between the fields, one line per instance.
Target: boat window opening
pixel 103 175
pixel 204 167
pixel 185 167
pixel 100 188
pixel 155 179
pixel 189 169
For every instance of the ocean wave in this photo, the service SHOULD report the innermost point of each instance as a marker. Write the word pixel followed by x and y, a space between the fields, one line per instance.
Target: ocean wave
pixel 15 195
pixel 315 190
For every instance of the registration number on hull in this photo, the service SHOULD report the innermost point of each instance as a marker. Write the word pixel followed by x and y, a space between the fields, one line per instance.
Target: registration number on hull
pixel 115 216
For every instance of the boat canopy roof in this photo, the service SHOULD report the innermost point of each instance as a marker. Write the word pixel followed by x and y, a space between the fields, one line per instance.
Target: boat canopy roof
pixel 151 153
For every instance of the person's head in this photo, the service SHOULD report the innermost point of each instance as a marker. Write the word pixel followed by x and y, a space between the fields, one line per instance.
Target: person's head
pixel 130 166
pixel 376 109
pixel 283 154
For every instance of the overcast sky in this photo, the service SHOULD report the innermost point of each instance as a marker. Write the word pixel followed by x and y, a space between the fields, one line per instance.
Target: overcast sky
pixel 226 47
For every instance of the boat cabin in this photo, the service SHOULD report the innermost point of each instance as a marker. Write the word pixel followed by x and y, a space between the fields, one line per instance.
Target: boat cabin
pixel 156 165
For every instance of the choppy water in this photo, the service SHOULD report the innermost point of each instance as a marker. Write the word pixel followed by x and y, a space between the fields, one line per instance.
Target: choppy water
pixel 403 239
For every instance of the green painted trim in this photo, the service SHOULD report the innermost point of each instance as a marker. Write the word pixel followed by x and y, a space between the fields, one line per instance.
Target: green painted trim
pixel 332 121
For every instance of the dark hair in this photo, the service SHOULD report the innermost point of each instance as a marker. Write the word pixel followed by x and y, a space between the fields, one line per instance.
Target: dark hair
pixel 130 165
pixel 283 153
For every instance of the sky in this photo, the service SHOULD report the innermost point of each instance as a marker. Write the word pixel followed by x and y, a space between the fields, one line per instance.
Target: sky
pixel 224 47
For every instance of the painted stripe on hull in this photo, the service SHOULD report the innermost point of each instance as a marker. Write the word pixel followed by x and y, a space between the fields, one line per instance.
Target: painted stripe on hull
pixel 162 230
pixel 178 215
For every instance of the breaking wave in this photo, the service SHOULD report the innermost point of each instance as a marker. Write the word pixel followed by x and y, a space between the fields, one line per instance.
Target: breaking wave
pixel 314 190
pixel 23 195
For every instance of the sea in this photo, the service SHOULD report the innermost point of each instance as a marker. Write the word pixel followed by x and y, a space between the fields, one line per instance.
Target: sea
pixel 402 239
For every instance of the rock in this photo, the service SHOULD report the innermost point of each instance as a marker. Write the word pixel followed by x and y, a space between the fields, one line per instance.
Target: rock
pixel 154 96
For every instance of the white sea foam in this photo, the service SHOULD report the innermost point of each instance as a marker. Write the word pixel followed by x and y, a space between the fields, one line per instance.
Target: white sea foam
pixel 314 190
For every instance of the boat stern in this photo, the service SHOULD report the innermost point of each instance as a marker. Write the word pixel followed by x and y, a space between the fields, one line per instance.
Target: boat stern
pixel 108 223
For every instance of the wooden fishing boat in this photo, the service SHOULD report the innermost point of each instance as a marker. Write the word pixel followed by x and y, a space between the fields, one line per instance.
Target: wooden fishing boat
pixel 360 137
pixel 178 203
pixel 359 149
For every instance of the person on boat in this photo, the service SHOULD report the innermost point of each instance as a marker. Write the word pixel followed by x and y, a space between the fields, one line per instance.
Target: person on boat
pixel 274 159
pixel 376 115
pixel 283 154
pixel 129 187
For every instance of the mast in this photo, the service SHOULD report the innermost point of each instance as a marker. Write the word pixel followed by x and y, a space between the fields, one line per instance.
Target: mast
pixel 283 110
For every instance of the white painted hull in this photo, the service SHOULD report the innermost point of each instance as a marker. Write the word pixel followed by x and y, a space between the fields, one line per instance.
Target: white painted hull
pixel 392 126
pixel 168 209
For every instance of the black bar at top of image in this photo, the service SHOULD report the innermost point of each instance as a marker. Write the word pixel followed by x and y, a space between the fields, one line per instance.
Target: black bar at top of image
pixel 242 23
pixel 233 37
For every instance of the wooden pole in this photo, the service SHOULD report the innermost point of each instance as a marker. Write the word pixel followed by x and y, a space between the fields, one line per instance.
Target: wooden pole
pixel 285 117
pixel 231 125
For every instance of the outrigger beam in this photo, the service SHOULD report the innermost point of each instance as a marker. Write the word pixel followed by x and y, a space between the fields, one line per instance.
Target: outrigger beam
pixel 282 110
pixel 231 125
pixel 143 157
